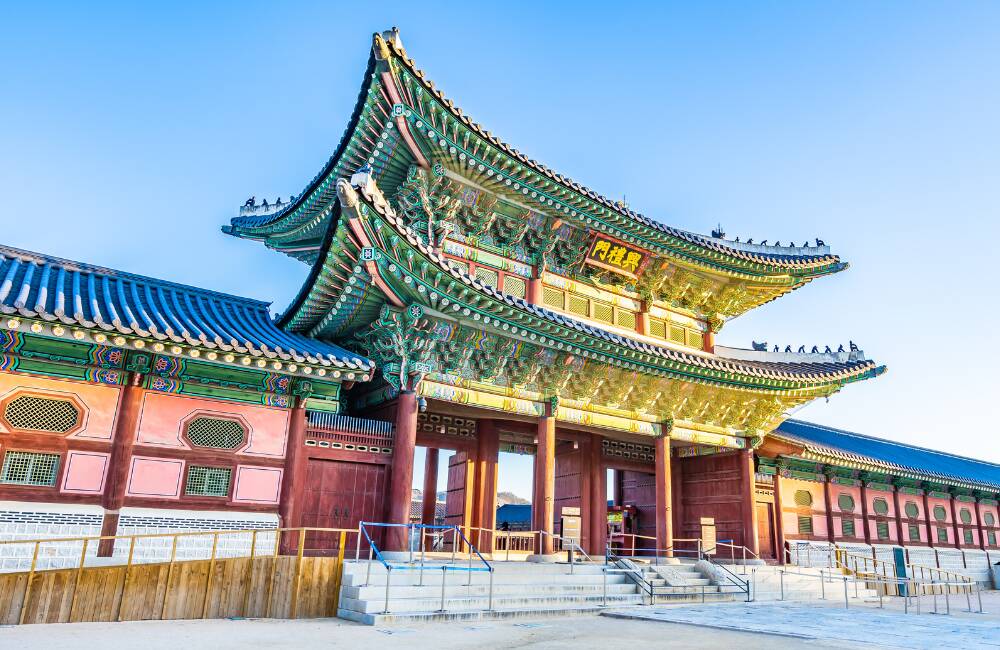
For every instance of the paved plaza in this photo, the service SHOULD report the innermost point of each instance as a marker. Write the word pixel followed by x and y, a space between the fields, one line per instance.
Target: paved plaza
pixel 766 625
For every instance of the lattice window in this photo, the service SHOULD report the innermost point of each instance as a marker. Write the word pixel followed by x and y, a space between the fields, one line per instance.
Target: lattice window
pixel 34 413
pixel 208 481
pixel 216 433
pixel 940 513
pixel 914 533
pixel 694 338
pixel 989 519
pixel 461 266
pixel 657 328
pixel 625 318
pixel 604 312
pixel 488 276
pixel 29 468
pixel 805 525
pixel 882 529
pixel 579 306
pixel 677 334
pixel 846 502
pixel 967 535
pixel 965 516
pixel 848 527
pixel 553 298
pixel 881 507
pixel 942 534
pixel 911 509
pixel 515 286
pixel 803 498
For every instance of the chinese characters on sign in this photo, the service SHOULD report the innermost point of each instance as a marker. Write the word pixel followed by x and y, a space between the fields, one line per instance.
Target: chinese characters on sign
pixel 615 257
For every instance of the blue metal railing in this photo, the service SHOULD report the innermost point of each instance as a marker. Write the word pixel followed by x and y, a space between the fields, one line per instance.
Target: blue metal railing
pixel 457 537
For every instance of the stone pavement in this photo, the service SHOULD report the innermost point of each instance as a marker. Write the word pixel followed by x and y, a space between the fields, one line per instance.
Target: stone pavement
pixel 827 623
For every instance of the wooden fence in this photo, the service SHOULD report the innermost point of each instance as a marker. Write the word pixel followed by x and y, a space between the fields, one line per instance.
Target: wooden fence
pixel 274 585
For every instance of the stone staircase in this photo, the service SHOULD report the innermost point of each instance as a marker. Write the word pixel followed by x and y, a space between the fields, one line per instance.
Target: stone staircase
pixel 680 581
pixel 520 589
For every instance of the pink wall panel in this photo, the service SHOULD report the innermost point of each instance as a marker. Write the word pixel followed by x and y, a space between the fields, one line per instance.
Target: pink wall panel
pixel 790 514
pixel 85 472
pixel 99 401
pixel 257 484
pixel 155 477
pixel 162 419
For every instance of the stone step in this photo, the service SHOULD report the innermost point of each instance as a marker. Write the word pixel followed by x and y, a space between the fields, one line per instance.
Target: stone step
pixel 468 616
pixel 479 603
pixel 377 592
pixel 412 578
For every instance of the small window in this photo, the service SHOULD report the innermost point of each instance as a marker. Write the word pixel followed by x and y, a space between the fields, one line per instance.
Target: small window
pixel 942 534
pixel 965 516
pixel 208 481
pixel 515 286
pixel 992 537
pixel 657 328
pixel 553 298
pixel 848 526
pixel 625 318
pixel 28 468
pixel 461 266
pixel 803 498
pixel 579 306
pixel 216 433
pixel 487 276
pixel 880 506
pixel 911 509
pixel 604 312
pixel 968 536
pixel 939 513
pixel 846 502
pixel 694 339
pixel 34 413
pixel 805 525
pixel 914 533
pixel 989 519
pixel 677 334
pixel 882 529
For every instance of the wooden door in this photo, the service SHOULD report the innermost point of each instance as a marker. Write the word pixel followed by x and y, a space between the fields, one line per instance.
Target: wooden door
pixel 341 494
pixel 765 529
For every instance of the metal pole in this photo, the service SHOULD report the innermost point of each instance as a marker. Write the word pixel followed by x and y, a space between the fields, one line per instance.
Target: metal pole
pixel 781 578
pixel 422 557
pixel 508 546
pixel 979 595
pixel 702 594
pixel 454 542
pixel 947 601
pixel 368 574
pixel 605 604
pixel 357 548
pixel 822 585
pixel 388 579
pixel 490 607
pixel 906 602
pixel 444 573
pixel 409 541
pixel 934 591
pixel 847 603
pixel 968 598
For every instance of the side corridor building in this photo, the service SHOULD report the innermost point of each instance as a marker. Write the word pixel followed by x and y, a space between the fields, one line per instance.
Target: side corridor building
pixel 460 296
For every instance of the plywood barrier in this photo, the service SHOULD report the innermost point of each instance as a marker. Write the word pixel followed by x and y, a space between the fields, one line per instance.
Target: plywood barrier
pixel 268 586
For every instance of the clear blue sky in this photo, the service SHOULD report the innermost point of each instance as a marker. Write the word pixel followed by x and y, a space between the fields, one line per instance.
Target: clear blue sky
pixel 130 132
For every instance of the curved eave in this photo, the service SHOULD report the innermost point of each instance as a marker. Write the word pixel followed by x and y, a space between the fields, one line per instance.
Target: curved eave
pixel 700 367
pixel 262 227
pixel 623 218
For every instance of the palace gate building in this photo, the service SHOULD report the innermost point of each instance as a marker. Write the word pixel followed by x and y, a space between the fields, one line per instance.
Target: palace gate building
pixel 460 296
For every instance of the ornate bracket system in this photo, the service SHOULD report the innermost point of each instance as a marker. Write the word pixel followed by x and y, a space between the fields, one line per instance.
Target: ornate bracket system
pixel 402 344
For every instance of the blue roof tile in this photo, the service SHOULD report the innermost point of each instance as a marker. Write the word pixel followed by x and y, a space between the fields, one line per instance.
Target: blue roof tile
pixel 35 285
pixel 927 461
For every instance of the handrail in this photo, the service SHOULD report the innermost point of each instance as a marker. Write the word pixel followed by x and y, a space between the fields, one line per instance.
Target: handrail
pixel 744 585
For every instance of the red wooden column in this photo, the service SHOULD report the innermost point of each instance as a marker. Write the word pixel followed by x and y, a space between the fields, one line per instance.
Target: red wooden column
pixel 954 520
pixel 123 439
pixel 864 511
pixel 598 498
pixel 898 513
pixel 484 509
pixel 828 504
pixel 927 519
pixel 642 318
pixel 534 293
pixel 779 524
pixel 430 487
pixel 292 483
pixel 749 502
pixel 401 481
pixel 664 504
pixel 543 506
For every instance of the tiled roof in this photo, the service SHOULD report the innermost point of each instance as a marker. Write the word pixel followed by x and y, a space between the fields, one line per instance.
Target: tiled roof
pixel 809 372
pixel 514 513
pixel 938 464
pixel 34 285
